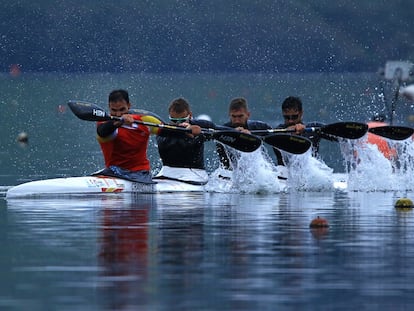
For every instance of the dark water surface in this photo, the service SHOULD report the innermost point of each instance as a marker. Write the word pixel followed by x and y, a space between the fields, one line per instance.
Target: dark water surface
pixel 207 252
pixel 193 251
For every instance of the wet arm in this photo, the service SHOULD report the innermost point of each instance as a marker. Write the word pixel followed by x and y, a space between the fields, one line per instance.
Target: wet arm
pixel 106 129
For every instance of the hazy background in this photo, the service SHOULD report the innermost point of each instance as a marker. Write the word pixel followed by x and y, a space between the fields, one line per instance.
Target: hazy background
pixel 205 36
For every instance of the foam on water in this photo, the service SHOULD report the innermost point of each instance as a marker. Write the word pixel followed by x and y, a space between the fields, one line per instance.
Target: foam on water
pixel 307 173
pixel 369 170
pixel 254 172
pixel 366 169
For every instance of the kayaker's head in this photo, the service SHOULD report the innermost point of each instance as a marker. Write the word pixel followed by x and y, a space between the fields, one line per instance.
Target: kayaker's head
pixel 119 103
pixel 239 112
pixel 179 111
pixel 292 110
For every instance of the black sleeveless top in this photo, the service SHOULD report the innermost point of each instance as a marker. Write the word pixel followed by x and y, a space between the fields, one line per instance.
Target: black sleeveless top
pixel 179 150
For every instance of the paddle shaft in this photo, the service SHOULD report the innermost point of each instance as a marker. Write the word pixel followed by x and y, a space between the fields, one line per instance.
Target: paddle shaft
pixel 272 131
pixel 161 125
pixel 349 130
pixel 241 141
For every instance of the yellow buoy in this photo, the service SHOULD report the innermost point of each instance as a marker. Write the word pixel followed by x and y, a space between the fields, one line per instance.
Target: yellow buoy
pixel 404 203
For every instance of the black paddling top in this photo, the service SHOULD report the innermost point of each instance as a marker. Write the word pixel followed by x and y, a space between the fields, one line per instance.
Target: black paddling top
pixel 180 150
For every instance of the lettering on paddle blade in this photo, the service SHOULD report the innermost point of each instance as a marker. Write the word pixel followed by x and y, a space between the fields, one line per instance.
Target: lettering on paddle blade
pixel 98 113
pixel 248 137
pixel 355 126
pixel 226 138
pixel 402 130
pixel 297 139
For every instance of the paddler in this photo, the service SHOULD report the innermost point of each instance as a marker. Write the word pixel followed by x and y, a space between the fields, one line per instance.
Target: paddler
pixel 124 143
pixel 292 111
pixel 239 116
pixel 182 154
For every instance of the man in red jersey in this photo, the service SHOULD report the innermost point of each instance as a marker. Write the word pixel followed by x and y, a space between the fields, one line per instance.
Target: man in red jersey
pixel 124 143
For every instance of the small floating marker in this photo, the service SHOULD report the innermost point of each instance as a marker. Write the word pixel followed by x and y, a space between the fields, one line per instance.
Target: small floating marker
pixel 404 203
pixel 319 223
pixel 23 137
pixel 61 108
pixel 15 70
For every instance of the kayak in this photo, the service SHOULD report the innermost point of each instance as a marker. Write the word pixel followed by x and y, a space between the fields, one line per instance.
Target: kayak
pixel 85 185
pixel 168 180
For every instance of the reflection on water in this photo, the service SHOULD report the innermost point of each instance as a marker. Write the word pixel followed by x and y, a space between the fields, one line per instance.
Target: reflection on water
pixel 207 251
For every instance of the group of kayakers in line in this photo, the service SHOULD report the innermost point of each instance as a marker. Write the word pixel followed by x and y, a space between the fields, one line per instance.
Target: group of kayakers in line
pixel 124 142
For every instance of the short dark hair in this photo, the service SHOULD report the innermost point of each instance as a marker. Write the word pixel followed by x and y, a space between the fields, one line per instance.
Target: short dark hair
pixel 292 102
pixel 118 95
pixel 238 103
pixel 179 105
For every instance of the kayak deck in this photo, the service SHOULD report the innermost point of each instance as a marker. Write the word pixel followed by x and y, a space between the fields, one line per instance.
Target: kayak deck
pixel 95 185
pixel 98 185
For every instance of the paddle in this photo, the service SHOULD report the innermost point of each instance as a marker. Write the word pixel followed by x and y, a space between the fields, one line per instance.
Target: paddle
pixel 291 143
pixel 392 132
pixel 349 130
pixel 235 139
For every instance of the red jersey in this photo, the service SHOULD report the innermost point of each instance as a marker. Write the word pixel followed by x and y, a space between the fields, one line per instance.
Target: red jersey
pixel 127 147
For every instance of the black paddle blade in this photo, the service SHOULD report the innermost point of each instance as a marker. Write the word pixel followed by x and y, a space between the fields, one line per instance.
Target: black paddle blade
pixel 349 130
pixel 238 140
pixel 392 132
pixel 290 143
pixel 88 111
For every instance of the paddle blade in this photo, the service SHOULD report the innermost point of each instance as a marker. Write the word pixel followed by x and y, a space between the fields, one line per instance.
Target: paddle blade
pixel 238 140
pixel 290 143
pixel 88 111
pixel 392 132
pixel 349 130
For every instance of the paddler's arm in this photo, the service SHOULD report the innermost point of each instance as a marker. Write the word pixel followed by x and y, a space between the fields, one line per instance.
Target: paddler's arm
pixel 108 128
pixel 320 133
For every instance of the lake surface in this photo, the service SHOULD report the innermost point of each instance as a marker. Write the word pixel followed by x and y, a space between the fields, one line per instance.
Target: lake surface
pixel 205 251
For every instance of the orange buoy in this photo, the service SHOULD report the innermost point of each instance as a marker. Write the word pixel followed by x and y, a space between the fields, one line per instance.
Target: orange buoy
pixel 15 70
pixel 319 223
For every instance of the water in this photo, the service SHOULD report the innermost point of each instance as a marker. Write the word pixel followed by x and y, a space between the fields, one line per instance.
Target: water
pixel 208 252
pixel 211 251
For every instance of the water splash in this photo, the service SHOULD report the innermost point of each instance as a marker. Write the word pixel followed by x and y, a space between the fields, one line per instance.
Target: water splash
pixel 252 172
pixel 369 170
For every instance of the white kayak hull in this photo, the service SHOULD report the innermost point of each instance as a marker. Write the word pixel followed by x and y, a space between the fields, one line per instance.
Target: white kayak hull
pixel 96 185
